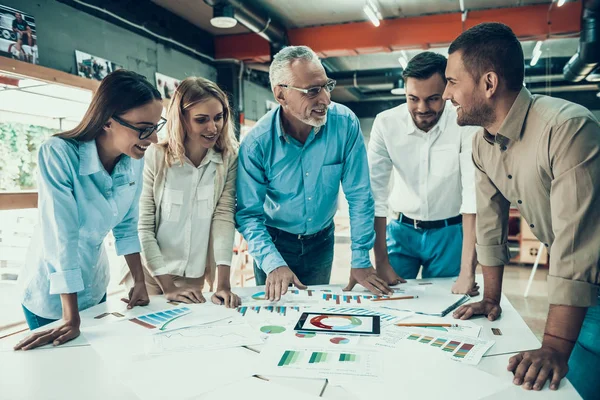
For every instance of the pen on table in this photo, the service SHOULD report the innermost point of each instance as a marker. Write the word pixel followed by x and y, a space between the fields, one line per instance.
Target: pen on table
pixel 416 324
pixel 395 298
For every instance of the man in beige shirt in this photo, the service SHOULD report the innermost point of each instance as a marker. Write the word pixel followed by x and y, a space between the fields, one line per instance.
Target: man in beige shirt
pixel 541 154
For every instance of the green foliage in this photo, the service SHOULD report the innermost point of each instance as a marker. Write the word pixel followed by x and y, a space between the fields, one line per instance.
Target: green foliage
pixel 19 144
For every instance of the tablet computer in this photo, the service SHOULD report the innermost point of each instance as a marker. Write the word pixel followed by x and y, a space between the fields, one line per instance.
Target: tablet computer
pixel 338 323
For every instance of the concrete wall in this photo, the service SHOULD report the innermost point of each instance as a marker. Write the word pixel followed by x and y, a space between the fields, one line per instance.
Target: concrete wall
pixel 255 100
pixel 62 29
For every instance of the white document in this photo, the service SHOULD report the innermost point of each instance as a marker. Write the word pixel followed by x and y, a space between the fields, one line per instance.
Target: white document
pixel 387 317
pixel 292 297
pixel 7 344
pixel 220 335
pixel 459 327
pixel 314 362
pixel 463 349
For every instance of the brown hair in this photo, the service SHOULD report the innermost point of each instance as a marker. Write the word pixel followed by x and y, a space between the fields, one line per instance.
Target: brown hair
pixel 492 46
pixel 119 92
pixel 191 91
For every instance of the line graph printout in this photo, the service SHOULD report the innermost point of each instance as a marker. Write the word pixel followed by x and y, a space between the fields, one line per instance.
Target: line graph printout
pixel 223 335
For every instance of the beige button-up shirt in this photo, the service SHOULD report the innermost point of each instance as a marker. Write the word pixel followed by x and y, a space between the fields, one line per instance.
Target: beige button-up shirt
pixel 545 160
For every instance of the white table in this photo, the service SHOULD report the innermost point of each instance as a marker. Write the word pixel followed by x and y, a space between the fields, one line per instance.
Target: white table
pixel 79 372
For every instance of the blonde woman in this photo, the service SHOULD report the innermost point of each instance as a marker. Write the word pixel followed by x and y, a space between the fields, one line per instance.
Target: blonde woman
pixel 188 201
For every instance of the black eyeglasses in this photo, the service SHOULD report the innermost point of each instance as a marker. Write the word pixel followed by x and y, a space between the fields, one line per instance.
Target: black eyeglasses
pixel 314 91
pixel 143 132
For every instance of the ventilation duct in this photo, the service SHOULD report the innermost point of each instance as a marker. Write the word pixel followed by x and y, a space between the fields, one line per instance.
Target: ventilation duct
pixel 588 55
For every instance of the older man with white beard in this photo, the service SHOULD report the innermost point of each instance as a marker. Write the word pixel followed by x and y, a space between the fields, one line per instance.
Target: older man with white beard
pixel 290 168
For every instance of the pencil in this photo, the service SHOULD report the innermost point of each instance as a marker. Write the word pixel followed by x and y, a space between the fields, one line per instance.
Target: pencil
pixel 416 324
pixel 395 298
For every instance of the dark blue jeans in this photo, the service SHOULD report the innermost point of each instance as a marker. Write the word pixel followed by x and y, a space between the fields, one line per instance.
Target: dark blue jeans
pixel 35 321
pixel 310 258
pixel 584 363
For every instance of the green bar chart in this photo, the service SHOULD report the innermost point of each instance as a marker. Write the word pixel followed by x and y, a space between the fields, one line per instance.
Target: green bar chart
pixel 317 357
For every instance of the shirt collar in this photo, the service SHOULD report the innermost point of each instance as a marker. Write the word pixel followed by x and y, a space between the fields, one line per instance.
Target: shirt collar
pixel 512 127
pixel 279 125
pixel 211 156
pixel 412 127
pixel 89 160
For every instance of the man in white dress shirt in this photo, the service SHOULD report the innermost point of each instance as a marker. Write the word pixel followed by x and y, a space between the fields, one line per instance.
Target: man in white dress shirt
pixel 432 202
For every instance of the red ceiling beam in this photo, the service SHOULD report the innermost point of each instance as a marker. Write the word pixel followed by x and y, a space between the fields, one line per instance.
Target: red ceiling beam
pixel 528 22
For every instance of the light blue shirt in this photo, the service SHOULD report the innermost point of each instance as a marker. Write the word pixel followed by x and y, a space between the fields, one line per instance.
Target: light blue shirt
pixel 293 187
pixel 79 203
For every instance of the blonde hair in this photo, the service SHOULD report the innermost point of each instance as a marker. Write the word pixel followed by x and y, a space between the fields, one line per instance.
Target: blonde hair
pixel 190 92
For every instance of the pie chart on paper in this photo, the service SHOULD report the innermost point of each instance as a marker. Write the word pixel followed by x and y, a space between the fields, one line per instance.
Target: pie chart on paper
pixel 339 340
pixel 306 335
pixel 259 296
pixel 272 329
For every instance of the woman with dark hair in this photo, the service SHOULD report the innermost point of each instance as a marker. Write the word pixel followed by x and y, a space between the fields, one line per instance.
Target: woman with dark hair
pixel 90 180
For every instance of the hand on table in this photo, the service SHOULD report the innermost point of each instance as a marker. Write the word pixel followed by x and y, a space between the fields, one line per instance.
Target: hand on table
pixel 388 275
pixel 368 278
pixel 278 281
pixel 138 296
pixel 226 297
pixel 185 294
pixel 533 368
pixel 465 284
pixel 490 308
pixel 57 336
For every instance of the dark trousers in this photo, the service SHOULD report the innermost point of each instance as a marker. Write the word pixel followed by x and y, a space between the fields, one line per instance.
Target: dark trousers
pixel 309 257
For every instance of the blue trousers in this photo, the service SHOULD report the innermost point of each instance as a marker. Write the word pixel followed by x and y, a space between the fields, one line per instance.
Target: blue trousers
pixel 310 259
pixel 437 250
pixel 584 364
pixel 35 321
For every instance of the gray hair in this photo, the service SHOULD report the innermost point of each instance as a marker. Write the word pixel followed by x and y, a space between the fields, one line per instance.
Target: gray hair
pixel 279 72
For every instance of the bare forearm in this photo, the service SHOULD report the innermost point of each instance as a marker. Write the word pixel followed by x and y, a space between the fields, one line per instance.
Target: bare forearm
pixel 224 276
pixel 492 282
pixel 165 282
pixel 70 308
pixel 380 248
pixel 468 257
pixel 134 262
pixel 562 327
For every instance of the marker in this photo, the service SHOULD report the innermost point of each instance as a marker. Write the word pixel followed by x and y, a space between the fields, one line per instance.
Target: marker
pixel 396 298
pixel 416 324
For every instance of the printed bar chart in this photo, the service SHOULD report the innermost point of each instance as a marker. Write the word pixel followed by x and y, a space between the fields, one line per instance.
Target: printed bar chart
pixel 348 357
pixel 450 347
pixel 464 350
pixel 439 342
pixel 289 357
pixel 317 357
pixel 426 339
pixel 160 319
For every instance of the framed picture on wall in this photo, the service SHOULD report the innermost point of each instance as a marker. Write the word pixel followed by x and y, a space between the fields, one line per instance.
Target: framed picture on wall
pixel 166 85
pixel 92 67
pixel 18 37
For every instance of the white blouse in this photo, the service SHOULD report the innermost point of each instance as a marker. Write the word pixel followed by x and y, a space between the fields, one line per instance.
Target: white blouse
pixel 185 221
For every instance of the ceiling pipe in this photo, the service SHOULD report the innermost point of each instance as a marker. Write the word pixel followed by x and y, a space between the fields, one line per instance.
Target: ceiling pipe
pixel 263 26
pixel 366 78
pixel 588 55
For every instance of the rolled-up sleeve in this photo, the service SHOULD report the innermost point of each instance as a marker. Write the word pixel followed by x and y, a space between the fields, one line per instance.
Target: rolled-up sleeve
pixel 492 219
pixel 250 216
pixel 467 170
pixel 357 188
pixel 127 240
pixel 380 166
pixel 60 220
pixel 573 278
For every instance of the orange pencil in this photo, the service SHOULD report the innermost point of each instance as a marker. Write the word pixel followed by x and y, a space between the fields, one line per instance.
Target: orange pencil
pixel 395 298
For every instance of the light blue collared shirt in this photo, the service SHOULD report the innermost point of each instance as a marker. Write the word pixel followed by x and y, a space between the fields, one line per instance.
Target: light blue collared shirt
pixel 79 203
pixel 293 187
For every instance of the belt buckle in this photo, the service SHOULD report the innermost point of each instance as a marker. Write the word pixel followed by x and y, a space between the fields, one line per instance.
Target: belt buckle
pixel 416 223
